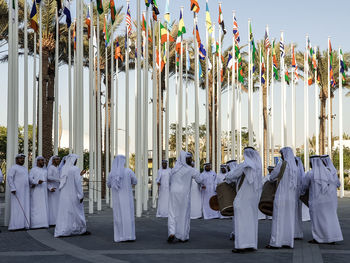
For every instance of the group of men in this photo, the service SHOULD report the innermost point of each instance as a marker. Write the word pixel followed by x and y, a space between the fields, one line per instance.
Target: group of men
pixel 178 187
pixel 49 195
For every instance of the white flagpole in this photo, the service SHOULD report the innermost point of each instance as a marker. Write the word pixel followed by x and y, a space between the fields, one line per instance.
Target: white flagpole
pixel 112 132
pixel 329 147
pixel 160 102
pixel 306 108
pixel 261 116
pixel 207 150
pixel 15 50
pixel 239 155
pixel 70 107
pixel 25 88
pixel 34 103
pixel 91 110
pixel 272 140
pixel 283 100
pixel 106 115
pixel 250 87
pixel 167 98
pixel 316 112
pixel 116 142
pixel 219 67
pixel 293 105
pixel 127 96
pixel 228 116
pixel 40 102
pixel 197 164
pixel 99 154
pixel 186 110
pixel 180 104
pixel 268 146
pixel 341 154
pixel 145 116
pixel 94 108
pixel 55 140
pixel 234 99
pixel 154 119
pixel 213 136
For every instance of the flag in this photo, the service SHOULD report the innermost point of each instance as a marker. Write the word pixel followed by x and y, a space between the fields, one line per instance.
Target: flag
pixel 167 14
pixel 295 66
pixel 155 7
pixel 200 72
pixel 267 41
pixel 331 75
pixel 229 61
pixel 286 76
pixel 313 58
pixel 252 46
pixel 105 31
pixel 235 30
pixel 343 67
pixel 182 29
pixel 34 18
pixel 274 60
pixel 59 7
pixel 164 35
pixel 162 62
pixel 262 73
pixel 99 6
pixel 128 21
pixel 202 51
pixel 113 10
pixel 221 21
pixel 282 48
pixel 194 6
pixel 148 2
pixel 208 20
pixel 66 11
pixel 88 21
pixel 239 63
pixel 74 35
pixel 213 43
pixel 118 53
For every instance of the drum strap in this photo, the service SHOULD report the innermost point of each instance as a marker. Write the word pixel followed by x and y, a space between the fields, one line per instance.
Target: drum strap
pixel 281 173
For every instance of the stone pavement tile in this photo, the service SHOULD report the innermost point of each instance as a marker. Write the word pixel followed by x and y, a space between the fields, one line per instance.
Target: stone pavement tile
pixel 208 258
pixel 41 259
pixel 19 241
pixel 335 258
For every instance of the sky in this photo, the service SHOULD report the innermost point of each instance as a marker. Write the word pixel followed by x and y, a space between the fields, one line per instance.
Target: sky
pixel 319 19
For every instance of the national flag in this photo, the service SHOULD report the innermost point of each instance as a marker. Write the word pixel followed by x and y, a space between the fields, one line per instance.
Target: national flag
pixel 155 18
pixel 313 58
pixel 202 51
pixel 162 62
pixel 310 80
pixel 200 72
pixel 343 67
pixel 66 11
pixel 295 66
pixel 274 60
pixel 267 40
pixel 34 18
pixel 229 61
pixel 239 63
pixel 148 2
pixel 235 30
pixel 208 20
pixel 217 48
pixel 59 7
pixel 105 31
pixel 118 52
pixel 155 7
pixel 282 48
pixel 88 21
pixel 182 29
pixel 164 35
pixel 331 74
pixel 178 44
pixel 213 43
pixel 194 6
pixel 74 35
pixel 113 10
pixel 128 21
pixel 252 46
pixel 177 56
pixel 99 6
pixel 286 76
pixel 221 21
pixel 262 73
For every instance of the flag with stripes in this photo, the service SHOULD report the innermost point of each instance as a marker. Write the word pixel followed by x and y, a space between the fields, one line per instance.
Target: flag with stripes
pixel 34 18
pixel 229 62
pixel 208 20
pixel 282 48
pixel 267 40
pixel 99 6
pixel 331 74
pixel 88 21
pixel 235 30
pixel 343 67
pixel 252 46
pixel 295 66
pixel 262 73
pixel 194 6
pixel 221 21
pixel 128 21
pixel 274 61
pixel 118 52
pixel 113 10
pixel 66 11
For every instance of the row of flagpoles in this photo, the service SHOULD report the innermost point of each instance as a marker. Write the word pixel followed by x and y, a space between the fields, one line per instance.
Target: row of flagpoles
pixel 234 92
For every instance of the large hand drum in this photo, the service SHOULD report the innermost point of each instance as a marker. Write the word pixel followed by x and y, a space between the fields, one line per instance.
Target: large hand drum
pixel 223 201
pixel 267 198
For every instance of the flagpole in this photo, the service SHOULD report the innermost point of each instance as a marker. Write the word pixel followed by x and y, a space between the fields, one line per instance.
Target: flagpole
pixel 127 95
pixel 250 87
pixel 145 115
pixel 25 88
pixel 116 142
pixel 56 87
pixel 112 132
pixel 197 164
pixel 293 104
pixel 219 67
pixel 329 147
pixel 268 146
pixel 207 148
pixel 272 162
pixel 70 92
pixel 316 111
pixel 213 107
pixel 234 99
pixel 160 104
pixel 154 117
pixel 180 104
pixel 228 116
pixel 15 50
pixel 341 154
pixel 167 98
pixel 40 102
pixel 261 114
pixel 34 103
pixel 99 154
pixel 306 108
pixel 186 109
pixel 283 98
pixel 106 112
pixel 91 110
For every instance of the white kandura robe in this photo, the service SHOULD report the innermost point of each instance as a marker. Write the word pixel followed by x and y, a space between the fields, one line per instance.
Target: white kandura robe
pixel 180 200
pixel 18 180
pixel 39 209
pixel 1 178
pixel 298 231
pixel 323 210
pixel 283 218
pixel 209 181
pixel 53 181
pixel 163 195
pixel 123 205
pixel 196 200
pixel 70 216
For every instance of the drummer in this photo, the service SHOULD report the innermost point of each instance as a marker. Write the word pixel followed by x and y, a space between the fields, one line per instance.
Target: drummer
pixel 264 180
pixel 231 165
pixel 208 190
pixel 222 174
pixel 246 202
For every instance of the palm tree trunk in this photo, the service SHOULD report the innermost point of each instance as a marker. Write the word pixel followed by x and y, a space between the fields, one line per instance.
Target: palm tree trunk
pixel 323 117
pixel 266 148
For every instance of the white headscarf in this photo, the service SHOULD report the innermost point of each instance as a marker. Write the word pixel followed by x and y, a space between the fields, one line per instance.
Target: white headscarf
pixel 322 175
pixel 292 168
pixel 181 162
pixel 51 159
pixel 118 170
pixel 329 164
pixel 252 167
pixel 62 162
pixel 70 161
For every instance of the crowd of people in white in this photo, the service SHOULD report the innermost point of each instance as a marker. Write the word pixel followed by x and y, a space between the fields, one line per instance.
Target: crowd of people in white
pixel 53 196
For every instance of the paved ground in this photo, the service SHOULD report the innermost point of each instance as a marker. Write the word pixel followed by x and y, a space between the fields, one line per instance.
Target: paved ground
pixel 208 243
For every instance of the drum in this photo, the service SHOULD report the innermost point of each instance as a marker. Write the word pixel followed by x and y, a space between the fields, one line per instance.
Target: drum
pixel 213 203
pixel 226 193
pixel 267 198
pixel 305 198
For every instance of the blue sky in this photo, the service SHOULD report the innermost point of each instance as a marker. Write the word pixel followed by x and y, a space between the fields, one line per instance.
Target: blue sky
pixel 319 19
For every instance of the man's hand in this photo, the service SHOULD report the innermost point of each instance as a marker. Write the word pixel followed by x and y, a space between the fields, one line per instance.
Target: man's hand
pixel 53 190
pixel 40 182
pixel 81 200
pixel 204 187
pixel 13 192
pixel 82 172
pixel 158 184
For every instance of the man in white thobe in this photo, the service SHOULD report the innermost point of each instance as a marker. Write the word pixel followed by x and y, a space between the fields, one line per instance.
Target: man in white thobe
pixel 322 183
pixel 283 218
pixel 245 205
pixel 39 209
pixel 163 189
pixel 179 217
pixel 70 215
pixel 222 174
pixel 53 184
pixel 208 177
pixel 231 165
pixel 18 181
pixel 298 231
pixel 121 180
pixel 196 199
pixel 1 179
